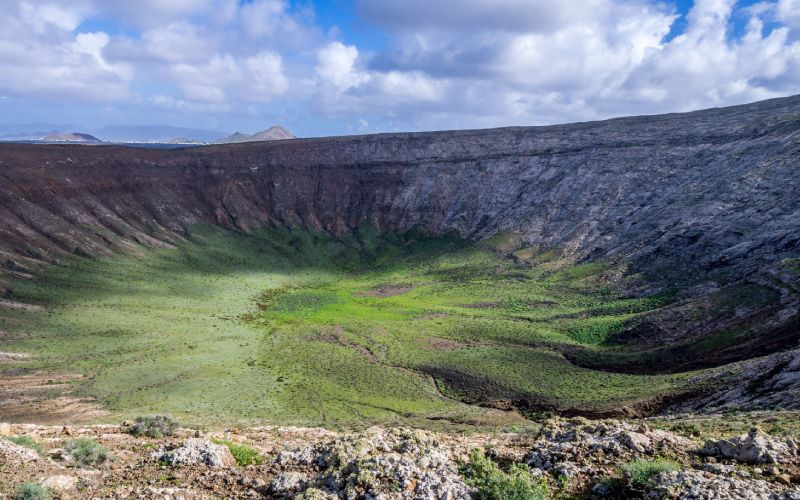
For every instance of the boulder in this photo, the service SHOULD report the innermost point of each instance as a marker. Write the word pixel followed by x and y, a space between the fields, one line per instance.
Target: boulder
pixel 288 482
pixel 196 451
pixel 751 448
pixel 59 484
pixel 11 453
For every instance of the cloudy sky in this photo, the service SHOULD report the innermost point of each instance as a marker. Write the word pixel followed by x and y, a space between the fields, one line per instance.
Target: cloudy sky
pixel 324 67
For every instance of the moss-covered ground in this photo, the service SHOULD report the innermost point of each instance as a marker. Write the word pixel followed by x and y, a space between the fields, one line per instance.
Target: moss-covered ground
pixel 282 326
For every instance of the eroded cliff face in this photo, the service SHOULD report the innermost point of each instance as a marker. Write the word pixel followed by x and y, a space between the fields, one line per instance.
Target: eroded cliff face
pixel 704 202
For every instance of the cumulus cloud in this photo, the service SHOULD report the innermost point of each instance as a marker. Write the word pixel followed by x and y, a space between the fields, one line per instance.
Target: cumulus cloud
pixel 41 55
pixel 522 62
pixel 445 64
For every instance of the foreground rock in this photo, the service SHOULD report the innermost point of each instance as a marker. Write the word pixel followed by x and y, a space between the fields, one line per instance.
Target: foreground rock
pixel 197 452
pixel 11 453
pixel 752 448
pixel 692 484
pixel 573 457
pixel 396 463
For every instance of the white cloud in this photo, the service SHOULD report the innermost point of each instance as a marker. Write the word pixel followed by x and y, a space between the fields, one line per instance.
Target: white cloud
pixel 446 63
pixel 788 12
pixel 42 56
pixel 458 64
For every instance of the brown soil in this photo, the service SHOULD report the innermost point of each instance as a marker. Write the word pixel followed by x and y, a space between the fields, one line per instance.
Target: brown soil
pixel 335 335
pixel 439 344
pixel 45 398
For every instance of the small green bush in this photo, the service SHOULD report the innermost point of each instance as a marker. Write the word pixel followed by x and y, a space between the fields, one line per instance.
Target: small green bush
pixel 493 483
pixel 86 452
pixel 244 455
pixel 32 491
pixel 27 442
pixel 155 426
pixel 640 472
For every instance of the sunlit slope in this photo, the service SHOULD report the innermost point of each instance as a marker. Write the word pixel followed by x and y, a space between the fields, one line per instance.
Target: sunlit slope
pixel 296 327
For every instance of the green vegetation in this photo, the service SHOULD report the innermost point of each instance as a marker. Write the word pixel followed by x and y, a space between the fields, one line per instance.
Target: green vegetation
pixel 244 455
pixel 86 452
pixel 492 483
pixel 154 426
pixel 640 472
pixel 283 326
pixel 733 423
pixel 32 491
pixel 27 442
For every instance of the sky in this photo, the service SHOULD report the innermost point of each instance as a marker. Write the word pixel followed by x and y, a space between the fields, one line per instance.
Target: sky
pixel 332 67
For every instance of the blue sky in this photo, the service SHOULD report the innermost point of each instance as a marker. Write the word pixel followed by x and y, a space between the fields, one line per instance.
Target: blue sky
pixel 330 67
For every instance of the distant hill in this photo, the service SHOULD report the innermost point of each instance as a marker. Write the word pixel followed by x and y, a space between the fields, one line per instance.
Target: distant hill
pixel 155 133
pixel 274 133
pixel 71 137
pixel 110 133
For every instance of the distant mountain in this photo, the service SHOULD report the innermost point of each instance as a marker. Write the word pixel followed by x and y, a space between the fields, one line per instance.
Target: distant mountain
pixel 234 137
pixel 155 133
pixel 274 133
pixel 70 137
pixel 164 134
pixel 110 133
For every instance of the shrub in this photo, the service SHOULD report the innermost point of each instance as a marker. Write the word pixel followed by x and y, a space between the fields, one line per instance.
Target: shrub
pixel 244 455
pixel 155 426
pixel 86 452
pixel 32 491
pixel 27 442
pixel 492 483
pixel 641 471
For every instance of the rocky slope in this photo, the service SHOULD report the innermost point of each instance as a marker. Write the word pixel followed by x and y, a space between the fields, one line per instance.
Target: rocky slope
pixel 564 458
pixel 704 204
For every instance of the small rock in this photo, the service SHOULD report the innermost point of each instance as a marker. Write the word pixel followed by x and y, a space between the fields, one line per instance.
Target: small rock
pixel 753 447
pixel 5 429
pixel 60 484
pixel 288 482
pixel 784 479
pixel 772 471
pixel 635 441
pixel 11 453
pixel 197 451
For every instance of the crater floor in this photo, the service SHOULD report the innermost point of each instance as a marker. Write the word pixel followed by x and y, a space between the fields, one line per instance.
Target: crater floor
pixel 295 327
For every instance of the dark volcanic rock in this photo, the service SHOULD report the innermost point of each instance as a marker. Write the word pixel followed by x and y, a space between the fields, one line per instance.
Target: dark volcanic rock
pixel 704 202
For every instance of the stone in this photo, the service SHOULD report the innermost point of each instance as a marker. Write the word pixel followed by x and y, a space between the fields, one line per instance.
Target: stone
pixel 197 451
pixel 752 448
pixel 11 453
pixel 635 441
pixel 5 429
pixel 60 484
pixel 690 484
pixel 288 482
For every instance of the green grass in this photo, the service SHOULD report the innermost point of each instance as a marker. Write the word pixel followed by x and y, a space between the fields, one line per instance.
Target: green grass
pixel 244 455
pixel 154 426
pixel 86 452
pixel 27 442
pixel 640 472
pixel 31 491
pixel 492 483
pixel 284 326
